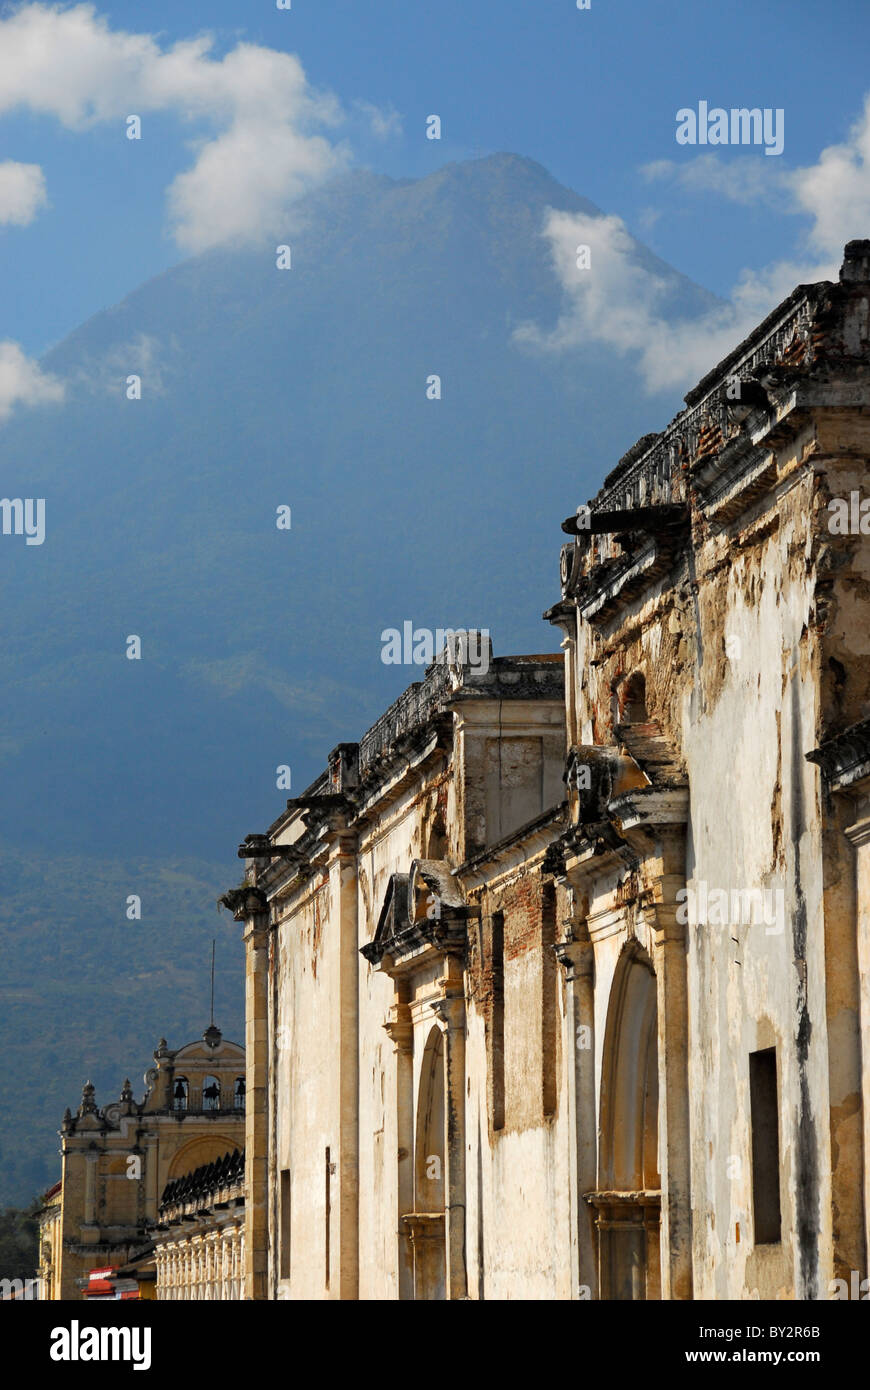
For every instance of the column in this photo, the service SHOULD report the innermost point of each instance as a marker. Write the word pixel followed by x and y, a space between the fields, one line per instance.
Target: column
pixel 401 1032
pixel 343 887
pixel 672 995
pixel 451 1014
pixel 91 1160
pixel 857 1250
pixel 257 1096
pixel 577 957
pixel 148 1143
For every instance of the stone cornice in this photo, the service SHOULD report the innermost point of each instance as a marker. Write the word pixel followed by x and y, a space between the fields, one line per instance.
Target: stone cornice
pixel 786 339
pixel 244 902
pixel 859 833
pixel 395 952
pixel 586 859
pixel 718 455
pixel 411 740
pixel 522 845
pixel 600 590
pixel 844 759
pixel 650 806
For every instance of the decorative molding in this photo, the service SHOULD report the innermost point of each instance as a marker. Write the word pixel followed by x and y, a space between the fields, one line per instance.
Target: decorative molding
pixel 844 759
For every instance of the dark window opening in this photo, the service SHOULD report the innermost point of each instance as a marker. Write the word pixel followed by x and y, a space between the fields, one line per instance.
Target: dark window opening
pixel 548 999
pixel 764 1115
pixel 285 1223
pixel 239 1093
pixel 180 1093
pixel 497 1059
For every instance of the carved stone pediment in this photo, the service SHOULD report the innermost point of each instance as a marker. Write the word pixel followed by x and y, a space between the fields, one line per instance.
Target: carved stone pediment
pixel 393 919
pixel 423 908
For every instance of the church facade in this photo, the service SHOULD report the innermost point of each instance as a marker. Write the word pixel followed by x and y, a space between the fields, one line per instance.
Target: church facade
pixel 557 981
pixel 117 1161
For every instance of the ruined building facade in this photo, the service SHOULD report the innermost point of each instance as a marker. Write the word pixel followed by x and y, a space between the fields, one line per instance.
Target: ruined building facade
pixel 560 989
pixel 383 1092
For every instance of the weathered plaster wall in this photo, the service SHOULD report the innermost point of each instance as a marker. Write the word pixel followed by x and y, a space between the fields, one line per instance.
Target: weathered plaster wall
pixel 305 1051
pixel 519 1225
pixel 400 834
pixel 748 722
pixel 501 766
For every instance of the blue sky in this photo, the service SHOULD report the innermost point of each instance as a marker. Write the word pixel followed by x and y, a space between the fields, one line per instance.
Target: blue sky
pixel 592 95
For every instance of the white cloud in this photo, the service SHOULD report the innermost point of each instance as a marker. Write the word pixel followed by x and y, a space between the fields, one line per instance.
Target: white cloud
pixel 620 304
pixel 22 382
pixel 106 373
pixel 22 193
pixel 263 139
pixel 835 191
pixel 383 121
pixel 648 217
pixel 744 178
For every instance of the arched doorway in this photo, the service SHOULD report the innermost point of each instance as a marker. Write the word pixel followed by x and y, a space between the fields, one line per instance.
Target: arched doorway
pixel 427 1222
pixel 628 1202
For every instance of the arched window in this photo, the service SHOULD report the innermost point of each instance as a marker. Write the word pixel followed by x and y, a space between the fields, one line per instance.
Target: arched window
pixel 180 1093
pixel 211 1093
pixel 239 1093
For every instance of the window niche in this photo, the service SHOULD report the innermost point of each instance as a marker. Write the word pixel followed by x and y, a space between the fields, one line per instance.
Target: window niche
pixel 764 1120
pixel 496 1067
